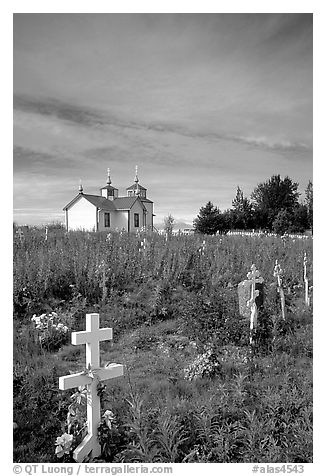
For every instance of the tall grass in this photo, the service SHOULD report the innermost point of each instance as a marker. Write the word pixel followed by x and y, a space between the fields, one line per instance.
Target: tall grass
pixel 87 264
pixel 166 304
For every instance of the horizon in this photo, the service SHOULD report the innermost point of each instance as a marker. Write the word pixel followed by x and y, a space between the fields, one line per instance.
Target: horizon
pixel 201 103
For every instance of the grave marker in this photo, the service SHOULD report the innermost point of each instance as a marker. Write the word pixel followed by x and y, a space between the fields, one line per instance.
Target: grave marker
pixel 143 246
pixel 305 278
pixel 251 297
pixel 92 338
pixel 202 249
pixel 252 276
pixel 20 235
pixel 244 294
pixel 278 273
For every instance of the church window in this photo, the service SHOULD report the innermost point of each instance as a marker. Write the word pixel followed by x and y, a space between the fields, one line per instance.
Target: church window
pixel 136 220
pixel 107 220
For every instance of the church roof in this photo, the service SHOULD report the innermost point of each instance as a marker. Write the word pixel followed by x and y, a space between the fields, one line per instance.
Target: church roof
pixel 100 202
pixel 145 200
pixel 108 187
pixel 122 203
pixel 135 186
pixel 96 200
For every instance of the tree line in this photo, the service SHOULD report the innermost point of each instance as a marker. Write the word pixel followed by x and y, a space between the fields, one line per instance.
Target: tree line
pixel 273 206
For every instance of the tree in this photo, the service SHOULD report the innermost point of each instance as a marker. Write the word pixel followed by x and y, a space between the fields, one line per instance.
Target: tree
pixel 299 219
pixel 282 222
pixel 241 211
pixel 270 197
pixel 208 219
pixel 309 204
pixel 227 221
pixel 169 224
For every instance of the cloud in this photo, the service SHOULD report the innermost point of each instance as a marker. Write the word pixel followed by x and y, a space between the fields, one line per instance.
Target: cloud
pixel 99 120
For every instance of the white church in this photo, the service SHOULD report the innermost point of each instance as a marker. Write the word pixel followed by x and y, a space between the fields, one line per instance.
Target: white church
pixel 109 212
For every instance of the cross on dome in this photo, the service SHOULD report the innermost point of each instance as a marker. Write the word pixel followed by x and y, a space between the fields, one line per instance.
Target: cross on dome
pixel 108 181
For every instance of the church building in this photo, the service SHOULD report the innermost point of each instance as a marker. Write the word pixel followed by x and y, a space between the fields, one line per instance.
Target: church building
pixel 109 212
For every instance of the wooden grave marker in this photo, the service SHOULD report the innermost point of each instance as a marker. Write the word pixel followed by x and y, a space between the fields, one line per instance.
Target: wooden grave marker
pixel 20 235
pixel 305 278
pixel 244 294
pixel 278 273
pixel 251 297
pixel 92 338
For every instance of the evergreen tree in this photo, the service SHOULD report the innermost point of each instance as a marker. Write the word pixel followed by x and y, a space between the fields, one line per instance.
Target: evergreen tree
pixel 241 212
pixel 208 219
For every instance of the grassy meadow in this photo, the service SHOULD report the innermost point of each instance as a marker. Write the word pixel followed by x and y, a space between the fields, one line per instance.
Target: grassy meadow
pixel 193 390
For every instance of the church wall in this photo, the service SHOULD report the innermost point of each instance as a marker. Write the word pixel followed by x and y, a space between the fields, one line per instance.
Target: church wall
pixel 118 220
pixel 121 220
pixel 137 208
pixel 82 216
pixel 149 216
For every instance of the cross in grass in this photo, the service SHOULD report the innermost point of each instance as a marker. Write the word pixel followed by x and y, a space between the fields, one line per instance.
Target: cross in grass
pixel 20 235
pixel 254 277
pixel 92 338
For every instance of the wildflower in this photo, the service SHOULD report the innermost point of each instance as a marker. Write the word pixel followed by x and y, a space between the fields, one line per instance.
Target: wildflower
pixel 204 365
pixel 108 418
pixel 36 319
pixel 63 445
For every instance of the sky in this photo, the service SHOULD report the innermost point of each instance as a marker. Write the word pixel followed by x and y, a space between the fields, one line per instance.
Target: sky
pixel 201 103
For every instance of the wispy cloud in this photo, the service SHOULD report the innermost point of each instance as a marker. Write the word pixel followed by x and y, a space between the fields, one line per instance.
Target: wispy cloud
pixel 92 118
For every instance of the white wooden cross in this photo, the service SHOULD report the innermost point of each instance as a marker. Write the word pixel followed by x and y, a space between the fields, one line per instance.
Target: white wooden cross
pixel 278 272
pixel 306 283
pixel 92 338
pixel 202 248
pixel 46 233
pixel 20 234
pixel 254 277
pixel 143 245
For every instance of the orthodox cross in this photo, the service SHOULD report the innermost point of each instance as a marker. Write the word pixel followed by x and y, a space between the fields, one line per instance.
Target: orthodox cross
pixel 92 338
pixel 278 272
pixel 306 283
pixel 254 277
pixel 20 235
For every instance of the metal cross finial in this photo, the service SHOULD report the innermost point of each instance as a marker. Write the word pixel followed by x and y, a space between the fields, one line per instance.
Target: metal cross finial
pixel 108 181
pixel 80 186
pixel 136 174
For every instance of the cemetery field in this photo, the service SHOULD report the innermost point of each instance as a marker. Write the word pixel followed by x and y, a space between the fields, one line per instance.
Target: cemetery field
pixel 194 389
